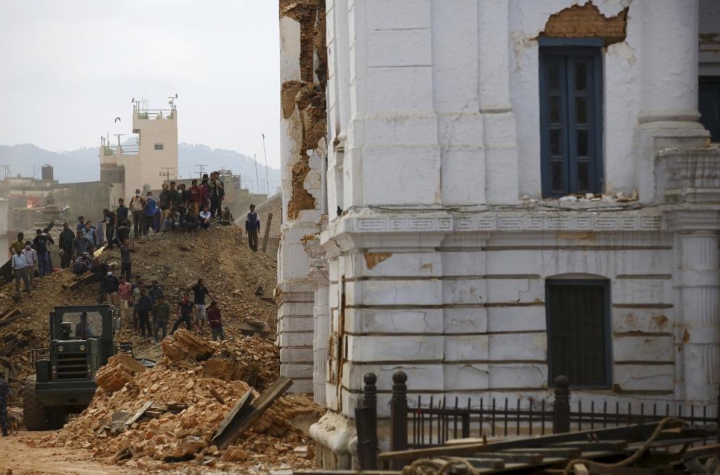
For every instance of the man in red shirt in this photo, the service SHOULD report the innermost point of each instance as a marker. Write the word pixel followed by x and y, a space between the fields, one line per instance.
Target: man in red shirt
pixel 215 319
pixel 194 199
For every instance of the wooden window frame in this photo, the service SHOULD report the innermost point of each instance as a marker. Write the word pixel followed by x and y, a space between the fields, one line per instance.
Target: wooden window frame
pixel 592 48
pixel 607 321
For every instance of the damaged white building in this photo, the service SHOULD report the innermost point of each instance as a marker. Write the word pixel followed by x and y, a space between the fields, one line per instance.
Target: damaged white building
pixel 491 193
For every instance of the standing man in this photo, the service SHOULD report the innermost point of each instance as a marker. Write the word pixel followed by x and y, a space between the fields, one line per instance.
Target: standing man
pixel 32 262
pixel 161 312
pixel 194 199
pixel 112 284
pixel 66 245
pixel 20 270
pixel 252 228
pixel 80 245
pixel 200 292
pixel 216 194
pixel 126 259
pixel 185 309
pixel 149 212
pixel 155 291
pixel 41 247
pixel 19 244
pixel 4 399
pixel 135 301
pixel 122 211
pixel 125 294
pixel 164 202
pixel 110 220
pixel 80 224
pixel 137 205
pixel 144 305
pixel 215 319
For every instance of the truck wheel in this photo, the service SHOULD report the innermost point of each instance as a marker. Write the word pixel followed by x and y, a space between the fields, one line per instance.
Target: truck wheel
pixel 34 412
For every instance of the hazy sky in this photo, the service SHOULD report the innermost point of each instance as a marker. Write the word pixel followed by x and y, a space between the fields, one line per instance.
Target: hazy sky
pixel 69 67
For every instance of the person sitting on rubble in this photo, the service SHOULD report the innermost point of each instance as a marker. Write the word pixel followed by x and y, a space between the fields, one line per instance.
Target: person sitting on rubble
pixel 205 218
pixel 83 330
pixel 227 217
pixel 191 223
pixel 82 264
pixel 215 319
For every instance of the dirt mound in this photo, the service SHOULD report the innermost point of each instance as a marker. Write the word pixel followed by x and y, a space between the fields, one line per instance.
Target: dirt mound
pixel 169 413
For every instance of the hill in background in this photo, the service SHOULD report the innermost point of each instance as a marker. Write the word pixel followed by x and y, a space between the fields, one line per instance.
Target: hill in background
pixel 81 165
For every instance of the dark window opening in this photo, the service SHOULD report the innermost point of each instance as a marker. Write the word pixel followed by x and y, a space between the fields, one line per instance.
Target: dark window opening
pixel 709 105
pixel 571 120
pixel 158 146
pixel 578 331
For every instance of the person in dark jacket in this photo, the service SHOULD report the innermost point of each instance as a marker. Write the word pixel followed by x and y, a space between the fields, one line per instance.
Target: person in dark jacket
pixel 112 283
pixel 161 314
pixel 110 220
pixel 66 246
pixel 122 211
pixel 185 311
pixel 40 244
pixel 80 245
pixel 252 228
pixel 144 306
pixel 149 214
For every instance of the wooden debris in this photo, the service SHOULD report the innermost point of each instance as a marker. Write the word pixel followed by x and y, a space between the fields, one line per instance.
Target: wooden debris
pixel 245 416
pixel 139 413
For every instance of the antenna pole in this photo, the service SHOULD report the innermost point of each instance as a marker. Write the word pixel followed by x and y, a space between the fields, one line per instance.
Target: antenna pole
pixel 267 174
pixel 202 169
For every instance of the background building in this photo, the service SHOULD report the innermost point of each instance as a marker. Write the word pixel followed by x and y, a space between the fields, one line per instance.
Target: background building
pixel 490 194
pixel 146 163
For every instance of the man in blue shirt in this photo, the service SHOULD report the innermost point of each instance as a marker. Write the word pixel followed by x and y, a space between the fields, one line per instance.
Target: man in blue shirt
pixel 252 228
pixel 149 212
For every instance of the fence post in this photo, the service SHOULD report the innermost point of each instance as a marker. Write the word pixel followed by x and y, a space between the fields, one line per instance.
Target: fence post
pixel 370 403
pixel 398 413
pixel 717 416
pixel 267 232
pixel 561 406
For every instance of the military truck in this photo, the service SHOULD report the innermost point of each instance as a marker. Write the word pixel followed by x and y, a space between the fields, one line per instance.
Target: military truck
pixel 81 342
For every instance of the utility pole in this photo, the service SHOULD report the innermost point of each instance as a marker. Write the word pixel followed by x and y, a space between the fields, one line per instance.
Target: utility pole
pixel 7 170
pixel 202 170
pixel 257 177
pixel 167 172
pixel 267 175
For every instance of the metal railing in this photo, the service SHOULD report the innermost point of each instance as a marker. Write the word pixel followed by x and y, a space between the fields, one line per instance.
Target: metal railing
pixel 156 114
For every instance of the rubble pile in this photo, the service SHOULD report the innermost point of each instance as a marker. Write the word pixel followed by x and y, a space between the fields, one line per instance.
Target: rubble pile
pixel 169 413
pixel 232 272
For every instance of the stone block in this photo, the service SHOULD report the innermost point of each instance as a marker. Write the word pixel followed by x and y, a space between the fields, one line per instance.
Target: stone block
pixel 518 347
pixel 416 129
pixel 389 48
pixel 516 319
pixel 645 291
pixel 653 320
pixel 397 264
pixel 398 14
pixel 301 386
pixel 295 340
pixel 373 320
pixel 471 263
pixel 465 320
pixel 461 171
pixel 466 348
pixel 300 371
pixel 296 355
pixel 292 309
pixel 406 89
pixel 644 349
pixel 644 377
pixel 371 348
pixel 465 377
pixel 515 290
pixel 518 376
pixel 421 377
pixel 393 292
pixel 295 324
pixel 465 291
pixel 401 175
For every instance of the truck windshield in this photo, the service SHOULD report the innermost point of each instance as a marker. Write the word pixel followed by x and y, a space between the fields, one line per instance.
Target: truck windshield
pixel 84 325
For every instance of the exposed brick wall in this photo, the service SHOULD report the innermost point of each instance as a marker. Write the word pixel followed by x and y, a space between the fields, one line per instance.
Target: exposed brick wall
pixel 587 22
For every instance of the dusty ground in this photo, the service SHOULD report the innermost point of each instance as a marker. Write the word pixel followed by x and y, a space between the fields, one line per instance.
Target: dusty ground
pixel 18 453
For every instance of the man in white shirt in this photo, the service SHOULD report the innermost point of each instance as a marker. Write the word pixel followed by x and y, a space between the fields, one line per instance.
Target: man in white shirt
pixel 30 256
pixel 20 270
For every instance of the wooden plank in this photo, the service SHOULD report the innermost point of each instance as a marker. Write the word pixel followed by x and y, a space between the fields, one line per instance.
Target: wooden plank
pixel 701 452
pixel 632 432
pixel 139 413
pixel 9 313
pixel 9 320
pixel 515 458
pixel 492 463
pixel 564 452
pixel 581 469
pixel 247 416
pixel 612 445
pixel 240 405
